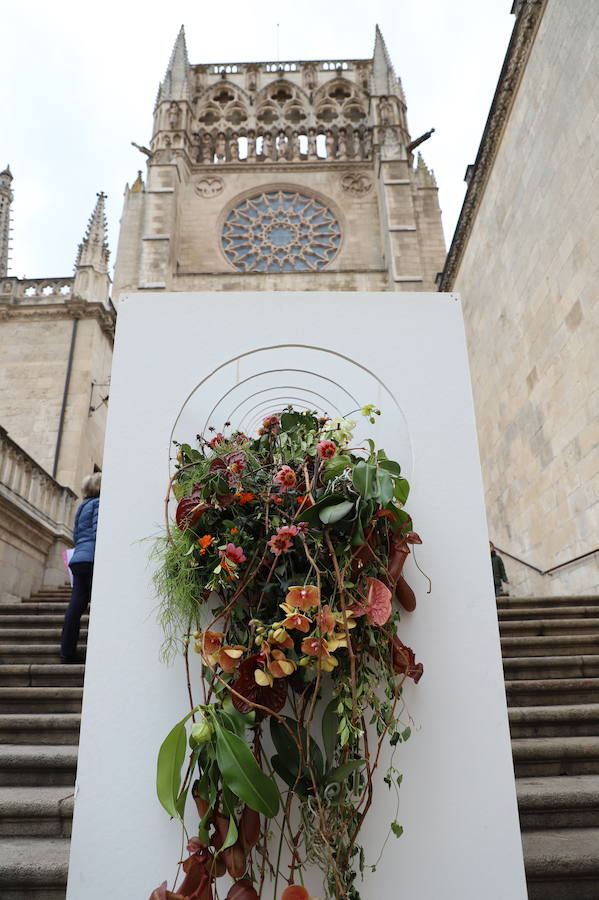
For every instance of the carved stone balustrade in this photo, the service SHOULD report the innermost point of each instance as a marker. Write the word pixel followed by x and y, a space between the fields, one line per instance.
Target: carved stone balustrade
pixel 37 289
pixel 36 516
pixel 284 145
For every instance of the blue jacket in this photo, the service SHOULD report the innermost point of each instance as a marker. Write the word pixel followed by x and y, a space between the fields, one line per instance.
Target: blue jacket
pixel 84 532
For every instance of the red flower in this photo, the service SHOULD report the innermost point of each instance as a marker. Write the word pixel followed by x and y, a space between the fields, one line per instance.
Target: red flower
pixel 273 697
pixel 233 553
pixel 285 477
pixel 217 439
pixel 189 510
pixel 326 449
pixel 404 660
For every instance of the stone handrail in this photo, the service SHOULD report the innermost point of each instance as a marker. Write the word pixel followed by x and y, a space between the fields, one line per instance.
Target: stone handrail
pixel 23 289
pixel 27 485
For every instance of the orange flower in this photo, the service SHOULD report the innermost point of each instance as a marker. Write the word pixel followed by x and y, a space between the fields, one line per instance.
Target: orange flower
pixel 304 597
pixel 229 657
pixel 244 497
pixel 204 543
pixel 209 644
pixel 315 646
pixel 234 530
pixel 326 620
pixel 304 500
pixel 279 665
pixel 295 892
pixel 297 621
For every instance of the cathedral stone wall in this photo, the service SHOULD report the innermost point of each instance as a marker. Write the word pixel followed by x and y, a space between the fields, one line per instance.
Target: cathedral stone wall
pixel 321 152
pixel 528 279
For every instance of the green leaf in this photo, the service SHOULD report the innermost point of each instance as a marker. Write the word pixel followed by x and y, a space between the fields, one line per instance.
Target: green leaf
pixel 232 831
pixel 406 733
pixel 364 480
pixel 402 490
pixel 390 466
pixel 384 483
pixel 287 748
pixel 342 771
pixel 242 774
pixel 396 829
pixel 168 767
pixel 283 770
pixel 311 514
pixel 330 724
pixel 234 720
pixel 335 466
pixel 331 514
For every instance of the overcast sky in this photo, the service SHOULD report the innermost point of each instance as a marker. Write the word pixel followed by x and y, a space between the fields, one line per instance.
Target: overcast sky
pixel 78 83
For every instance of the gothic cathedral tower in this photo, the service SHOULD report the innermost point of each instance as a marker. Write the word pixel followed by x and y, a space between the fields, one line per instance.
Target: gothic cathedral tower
pixel 281 176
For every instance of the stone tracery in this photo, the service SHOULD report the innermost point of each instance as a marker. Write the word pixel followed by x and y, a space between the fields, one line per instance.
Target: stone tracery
pixel 281 231
pixel 283 121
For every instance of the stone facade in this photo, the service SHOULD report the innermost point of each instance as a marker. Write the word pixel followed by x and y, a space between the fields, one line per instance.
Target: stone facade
pixel 524 259
pixel 303 136
pixel 56 336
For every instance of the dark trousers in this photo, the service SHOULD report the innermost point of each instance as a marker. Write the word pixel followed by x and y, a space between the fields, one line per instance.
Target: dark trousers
pixel 82 589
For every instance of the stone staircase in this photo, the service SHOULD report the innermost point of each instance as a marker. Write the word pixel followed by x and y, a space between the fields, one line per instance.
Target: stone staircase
pixel 550 651
pixel 551 662
pixel 40 705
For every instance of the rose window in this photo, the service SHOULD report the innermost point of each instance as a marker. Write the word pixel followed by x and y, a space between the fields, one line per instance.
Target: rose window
pixel 281 231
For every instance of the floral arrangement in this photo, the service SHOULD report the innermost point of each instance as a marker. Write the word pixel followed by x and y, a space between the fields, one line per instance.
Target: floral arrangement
pixel 277 579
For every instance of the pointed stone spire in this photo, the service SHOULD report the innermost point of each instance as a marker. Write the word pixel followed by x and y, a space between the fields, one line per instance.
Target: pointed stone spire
pixel 384 81
pixel 93 250
pixel 425 176
pixel 6 197
pixel 175 85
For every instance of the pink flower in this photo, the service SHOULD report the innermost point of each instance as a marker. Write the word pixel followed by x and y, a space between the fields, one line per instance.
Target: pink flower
pixel 285 477
pixel 233 553
pixel 326 449
pixel 378 602
pixel 282 540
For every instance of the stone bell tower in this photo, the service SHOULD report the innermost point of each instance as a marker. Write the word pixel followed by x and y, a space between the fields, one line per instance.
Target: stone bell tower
pixel 281 176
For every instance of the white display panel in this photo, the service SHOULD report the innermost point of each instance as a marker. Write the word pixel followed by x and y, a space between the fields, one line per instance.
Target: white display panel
pixel 184 361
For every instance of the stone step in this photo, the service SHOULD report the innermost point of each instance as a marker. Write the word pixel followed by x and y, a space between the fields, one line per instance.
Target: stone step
pixel 51 728
pixel 50 597
pixel 555 645
pixel 525 613
pixel 37 653
pixel 543 756
pixel 535 667
pixel 35 635
pixel 562 864
pixel 45 675
pixel 33 623
pixel 33 868
pixel 40 699
pixel 554 721
pixel 566 801
pixel 43 766
pixel 36 811
pixel 552 691
pixel 30 610
pixel 558 625
pixel 559 602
